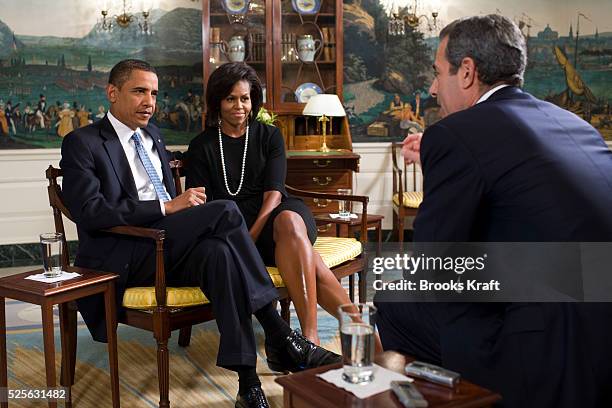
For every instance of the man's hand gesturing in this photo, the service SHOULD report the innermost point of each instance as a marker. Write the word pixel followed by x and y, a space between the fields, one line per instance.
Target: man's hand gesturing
pixel 411 150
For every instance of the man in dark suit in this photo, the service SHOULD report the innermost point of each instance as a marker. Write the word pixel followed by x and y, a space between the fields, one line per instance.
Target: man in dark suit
pixel 504 166
pixel 116 172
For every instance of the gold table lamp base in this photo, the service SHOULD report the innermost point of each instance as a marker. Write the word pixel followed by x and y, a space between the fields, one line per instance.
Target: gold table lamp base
pixel 324 119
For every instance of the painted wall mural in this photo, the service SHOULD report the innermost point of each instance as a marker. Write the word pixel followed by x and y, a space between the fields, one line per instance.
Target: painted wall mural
pixel 55 58
pixel 387 77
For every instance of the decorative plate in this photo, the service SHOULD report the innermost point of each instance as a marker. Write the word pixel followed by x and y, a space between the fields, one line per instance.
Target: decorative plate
pixel 307 90
pixel 306 6
pixel 235 6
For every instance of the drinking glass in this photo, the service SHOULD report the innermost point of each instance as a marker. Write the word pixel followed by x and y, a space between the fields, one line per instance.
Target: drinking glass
pixel 51 247
pixel 357 322
pixel 344 206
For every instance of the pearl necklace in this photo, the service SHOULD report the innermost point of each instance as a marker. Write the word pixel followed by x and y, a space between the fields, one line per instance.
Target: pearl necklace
pixel 246 144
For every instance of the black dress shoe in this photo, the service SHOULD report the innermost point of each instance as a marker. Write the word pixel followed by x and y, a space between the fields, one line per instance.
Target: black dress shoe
pixel 297 353
pixel 253 398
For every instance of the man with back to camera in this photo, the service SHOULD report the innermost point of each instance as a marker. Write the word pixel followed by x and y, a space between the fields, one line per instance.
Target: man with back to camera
pixel 116 172
pixel 503 166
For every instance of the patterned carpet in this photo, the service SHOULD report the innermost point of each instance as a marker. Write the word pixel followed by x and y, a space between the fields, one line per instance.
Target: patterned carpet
pixel 195 380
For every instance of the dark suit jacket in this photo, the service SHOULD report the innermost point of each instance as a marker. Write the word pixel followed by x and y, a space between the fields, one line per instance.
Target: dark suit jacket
pixel 515 168
pixel 99 190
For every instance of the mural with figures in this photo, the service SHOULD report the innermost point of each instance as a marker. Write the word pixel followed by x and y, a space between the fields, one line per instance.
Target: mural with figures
pixel 387 75
pixel 55 58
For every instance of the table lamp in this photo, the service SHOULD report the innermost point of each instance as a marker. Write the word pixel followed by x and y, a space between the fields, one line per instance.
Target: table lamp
pixel 324 106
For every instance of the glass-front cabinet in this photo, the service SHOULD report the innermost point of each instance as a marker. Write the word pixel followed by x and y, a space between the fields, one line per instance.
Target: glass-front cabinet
pixel 238 30
pixel 294 45
pixel 305 48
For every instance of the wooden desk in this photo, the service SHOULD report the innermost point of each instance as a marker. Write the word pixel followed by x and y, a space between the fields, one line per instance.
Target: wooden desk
pixel 305 389
pixel 321 172
pixel 48 294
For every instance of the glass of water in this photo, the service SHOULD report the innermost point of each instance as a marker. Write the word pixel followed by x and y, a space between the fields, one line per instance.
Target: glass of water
pixel 51 247
pixel 344 206
pixel 357 337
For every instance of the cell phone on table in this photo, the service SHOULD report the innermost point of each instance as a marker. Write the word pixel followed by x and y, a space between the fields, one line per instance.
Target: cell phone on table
pixel 433 373
pixel 408 394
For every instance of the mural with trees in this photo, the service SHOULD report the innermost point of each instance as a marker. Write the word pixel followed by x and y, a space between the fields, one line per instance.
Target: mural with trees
pixel 387 77
pixel 51 84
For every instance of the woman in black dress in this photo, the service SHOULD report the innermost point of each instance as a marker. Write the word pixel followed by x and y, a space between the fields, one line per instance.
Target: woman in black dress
pixel 238 158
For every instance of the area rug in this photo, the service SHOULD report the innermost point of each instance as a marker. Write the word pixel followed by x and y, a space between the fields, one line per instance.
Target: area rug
pixel 195 380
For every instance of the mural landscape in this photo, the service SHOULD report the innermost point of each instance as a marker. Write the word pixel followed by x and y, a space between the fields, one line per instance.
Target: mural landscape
pixel 50 85
pixel 391 74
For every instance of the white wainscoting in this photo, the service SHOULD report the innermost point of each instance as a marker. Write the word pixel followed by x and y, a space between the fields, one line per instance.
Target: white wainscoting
pixel 24 208
pixel 25 211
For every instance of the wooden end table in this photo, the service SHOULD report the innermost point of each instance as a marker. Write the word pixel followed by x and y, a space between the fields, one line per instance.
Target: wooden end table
pixel 48 294
pixel 305 389
pixel 344 228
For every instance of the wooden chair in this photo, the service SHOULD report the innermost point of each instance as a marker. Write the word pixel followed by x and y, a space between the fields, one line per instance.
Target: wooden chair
pixel 156 308
pixel 406 201
pixel 161 313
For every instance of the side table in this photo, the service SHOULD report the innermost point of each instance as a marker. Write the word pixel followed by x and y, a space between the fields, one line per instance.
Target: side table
pixel 48 294
pixel 305 389
pixel 345 228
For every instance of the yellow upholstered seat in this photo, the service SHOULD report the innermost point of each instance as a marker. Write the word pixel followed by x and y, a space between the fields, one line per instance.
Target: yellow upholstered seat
pixel 334 251
pixel 144 297
pixel 412 199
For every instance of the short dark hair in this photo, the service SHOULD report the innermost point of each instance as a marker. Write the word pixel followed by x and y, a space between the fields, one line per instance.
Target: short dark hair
pixel 220 85
pixel 494 42
pixel 123 69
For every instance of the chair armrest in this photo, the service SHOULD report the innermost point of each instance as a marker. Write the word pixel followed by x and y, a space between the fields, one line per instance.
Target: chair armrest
pixel 396 168
pixel 158 236
pixel 398 181
pixel 129 230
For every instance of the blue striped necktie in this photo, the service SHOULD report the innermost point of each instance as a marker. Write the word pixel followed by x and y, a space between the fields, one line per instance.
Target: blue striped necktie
pixel 146 162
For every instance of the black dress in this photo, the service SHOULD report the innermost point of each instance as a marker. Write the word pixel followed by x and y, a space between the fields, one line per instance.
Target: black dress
pixel 266 169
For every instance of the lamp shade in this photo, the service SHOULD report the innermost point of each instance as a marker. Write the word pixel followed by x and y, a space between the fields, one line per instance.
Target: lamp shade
pixel 324 104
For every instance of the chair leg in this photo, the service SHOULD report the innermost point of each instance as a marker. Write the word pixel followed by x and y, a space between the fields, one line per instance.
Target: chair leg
pixel 68 333
pixel 395 224
pixel 352 288
pixel 162 334
pixel 285 313
pixel 400 231
pixel 184 336
pixel 362 286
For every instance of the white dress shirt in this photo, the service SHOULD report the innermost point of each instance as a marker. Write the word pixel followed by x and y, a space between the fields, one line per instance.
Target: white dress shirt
pixel 144 186
pixel 490 92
